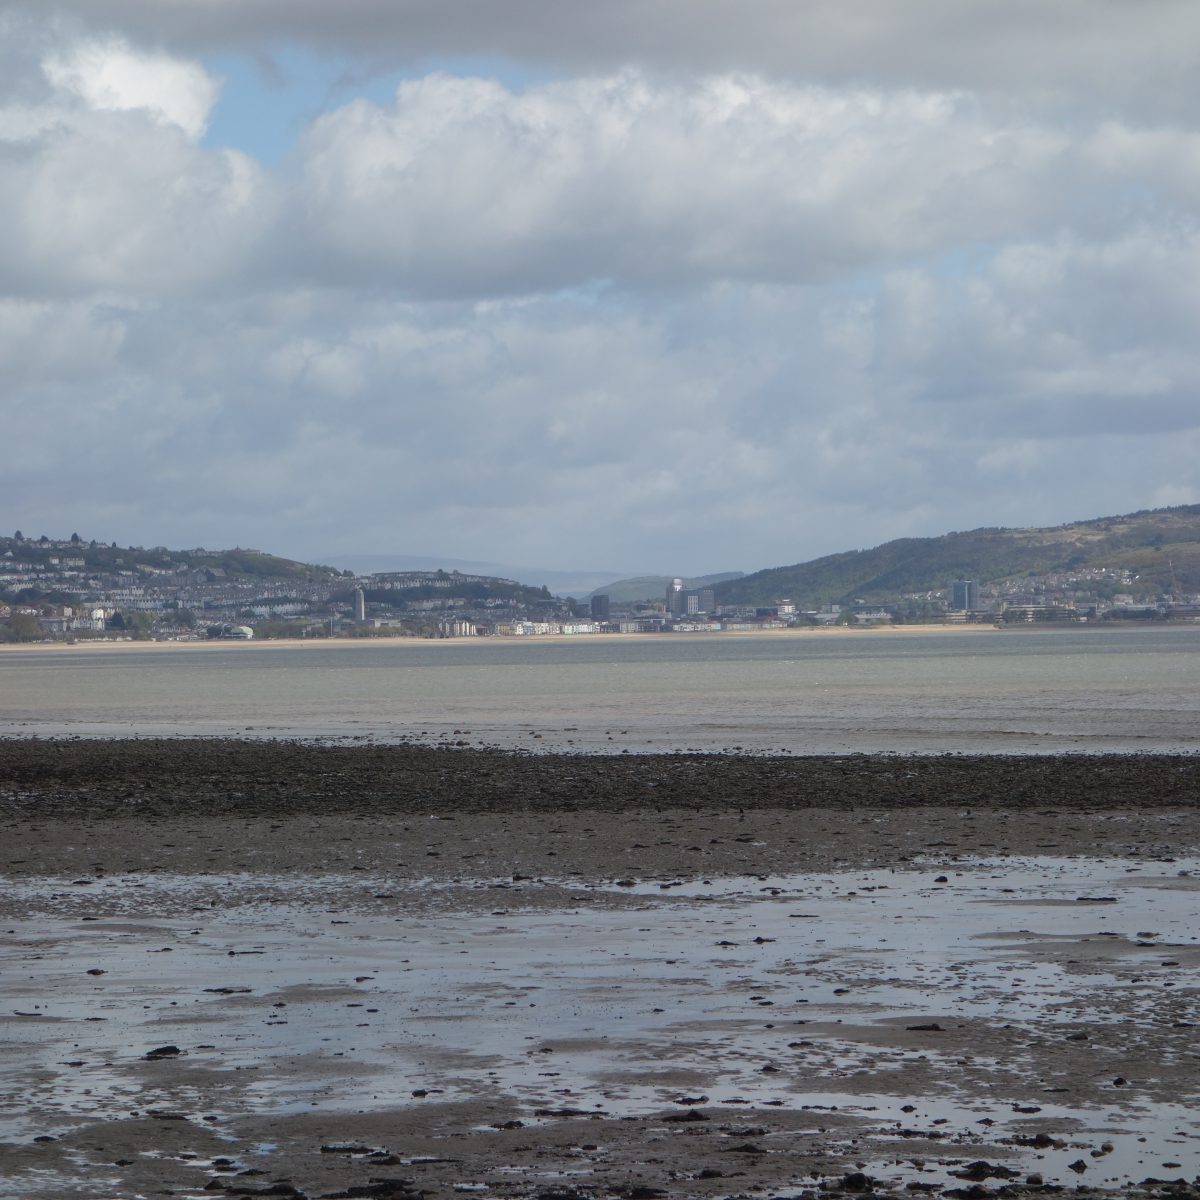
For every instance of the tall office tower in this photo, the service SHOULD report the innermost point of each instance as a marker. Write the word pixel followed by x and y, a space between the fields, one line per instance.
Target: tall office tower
pixel 600 608
pixel 964 595
pixel 676 599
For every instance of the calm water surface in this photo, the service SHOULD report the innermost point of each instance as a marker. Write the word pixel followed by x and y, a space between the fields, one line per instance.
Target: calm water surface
pixel 1004 691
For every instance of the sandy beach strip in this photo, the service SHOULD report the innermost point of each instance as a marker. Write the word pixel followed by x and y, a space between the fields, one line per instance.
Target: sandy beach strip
pixel 99 645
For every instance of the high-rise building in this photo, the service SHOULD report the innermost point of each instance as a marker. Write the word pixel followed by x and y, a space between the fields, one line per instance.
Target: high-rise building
pixel 964 595
pixel 600 608
pixel 360 606
pixel 676 599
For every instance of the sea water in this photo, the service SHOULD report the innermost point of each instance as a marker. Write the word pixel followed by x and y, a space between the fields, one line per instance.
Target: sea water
pixel 1000 691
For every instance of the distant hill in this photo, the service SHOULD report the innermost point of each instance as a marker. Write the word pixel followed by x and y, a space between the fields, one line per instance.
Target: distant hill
pixel 654 587
pixel 561 583
pixel 472 587
pixel 1162 546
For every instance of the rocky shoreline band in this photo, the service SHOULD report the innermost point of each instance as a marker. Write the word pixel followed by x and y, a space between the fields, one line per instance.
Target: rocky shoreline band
pixel 172 903
pixel 228 777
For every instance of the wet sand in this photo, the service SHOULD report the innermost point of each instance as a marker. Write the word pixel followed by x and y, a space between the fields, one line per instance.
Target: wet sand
pixel 447 971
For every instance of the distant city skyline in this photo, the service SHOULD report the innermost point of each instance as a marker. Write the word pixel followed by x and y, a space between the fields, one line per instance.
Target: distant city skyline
pixel 705 286
pixel 75 589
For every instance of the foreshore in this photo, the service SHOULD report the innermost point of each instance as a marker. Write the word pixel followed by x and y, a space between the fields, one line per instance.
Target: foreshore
pixel 410 971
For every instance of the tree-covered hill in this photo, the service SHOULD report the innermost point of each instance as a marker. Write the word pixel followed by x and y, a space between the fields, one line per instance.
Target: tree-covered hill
pixel 108 557
pixel 1161 546
pixel 474 589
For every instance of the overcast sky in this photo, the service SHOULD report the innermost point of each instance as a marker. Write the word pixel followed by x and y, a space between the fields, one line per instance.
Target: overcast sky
pixel 642 285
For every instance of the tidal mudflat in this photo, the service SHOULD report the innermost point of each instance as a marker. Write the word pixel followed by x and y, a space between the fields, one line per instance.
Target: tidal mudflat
pixel 843 975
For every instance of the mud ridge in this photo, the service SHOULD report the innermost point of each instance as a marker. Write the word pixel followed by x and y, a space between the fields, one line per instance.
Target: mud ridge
pixel 214 777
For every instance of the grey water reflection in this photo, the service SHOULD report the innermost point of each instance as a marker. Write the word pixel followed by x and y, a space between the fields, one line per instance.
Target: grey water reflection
pixel 809 991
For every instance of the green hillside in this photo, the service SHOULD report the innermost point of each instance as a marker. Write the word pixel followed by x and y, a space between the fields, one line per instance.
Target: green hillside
pixel 109 557
pixel 476 591
pixel 1161 546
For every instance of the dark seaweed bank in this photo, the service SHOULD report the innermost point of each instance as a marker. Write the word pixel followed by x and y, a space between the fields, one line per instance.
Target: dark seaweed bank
pixel 229 777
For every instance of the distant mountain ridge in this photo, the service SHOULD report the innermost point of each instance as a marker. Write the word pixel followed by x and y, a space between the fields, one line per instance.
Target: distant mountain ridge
pixel 1161 546
pixel 654 587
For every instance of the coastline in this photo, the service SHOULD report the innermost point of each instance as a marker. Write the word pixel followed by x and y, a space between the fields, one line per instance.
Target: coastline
pixel 840 631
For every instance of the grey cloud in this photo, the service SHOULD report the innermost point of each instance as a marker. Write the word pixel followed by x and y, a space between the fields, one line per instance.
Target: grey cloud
pixel 116 201
pixel 1054 340
pixel 669 320
pixel 730 428
pixel 1109 53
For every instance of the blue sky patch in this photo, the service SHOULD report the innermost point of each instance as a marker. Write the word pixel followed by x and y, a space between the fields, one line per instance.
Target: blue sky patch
pixel 268 100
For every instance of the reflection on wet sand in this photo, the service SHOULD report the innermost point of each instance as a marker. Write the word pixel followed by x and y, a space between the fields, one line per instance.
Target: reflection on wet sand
pixel 1027 1011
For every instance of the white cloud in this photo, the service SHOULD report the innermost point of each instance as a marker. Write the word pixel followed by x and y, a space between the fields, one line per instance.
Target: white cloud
pixel 103 186
pixel 110 76
pixel 121 204
pixel 464 187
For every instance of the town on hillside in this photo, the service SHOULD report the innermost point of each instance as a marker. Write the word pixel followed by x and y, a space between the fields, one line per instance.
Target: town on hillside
pixel 72 590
